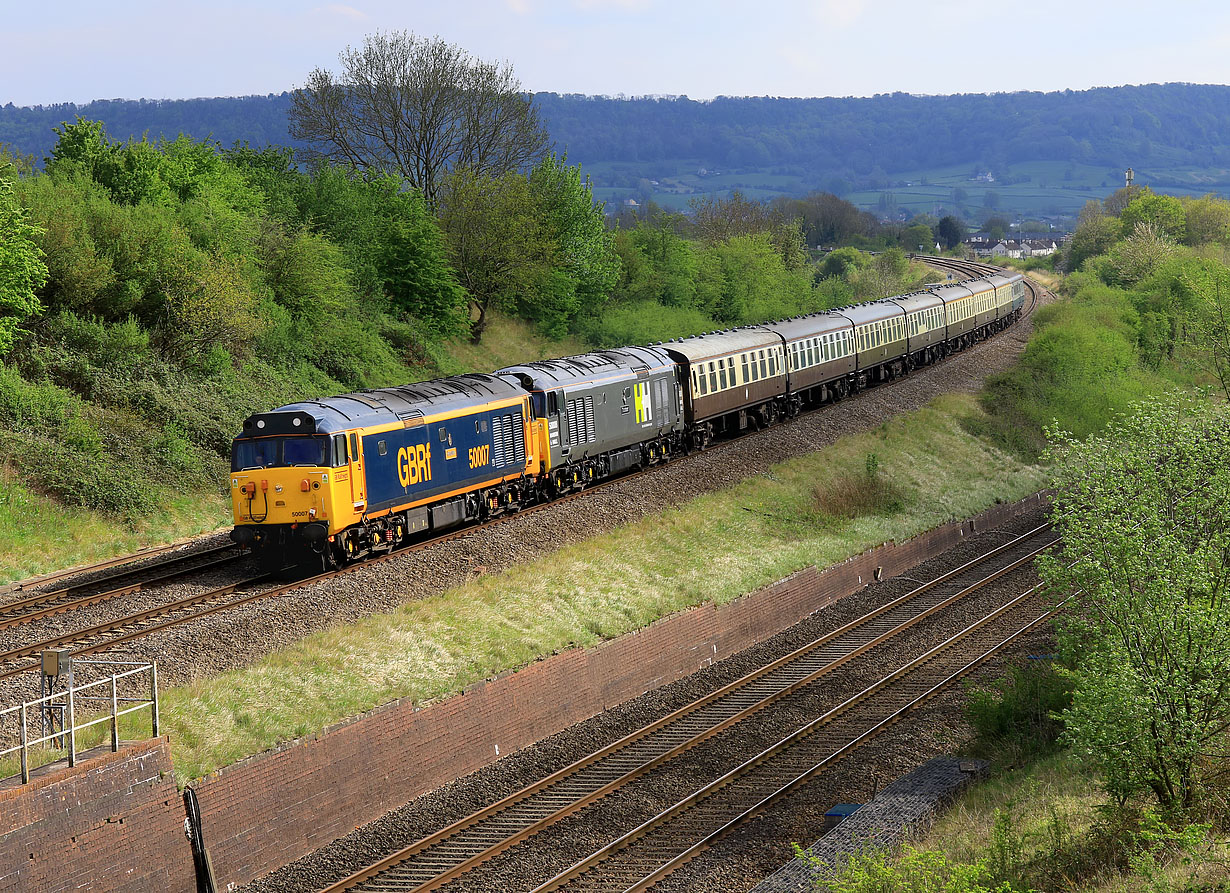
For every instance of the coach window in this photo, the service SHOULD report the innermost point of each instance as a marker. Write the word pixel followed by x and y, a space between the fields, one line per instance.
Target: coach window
pixel 746 377
pixel 712 377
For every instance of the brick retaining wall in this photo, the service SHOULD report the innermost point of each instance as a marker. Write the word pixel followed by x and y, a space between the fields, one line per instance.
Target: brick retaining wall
pixel 117 821
pixel 113 822
pixel 277 806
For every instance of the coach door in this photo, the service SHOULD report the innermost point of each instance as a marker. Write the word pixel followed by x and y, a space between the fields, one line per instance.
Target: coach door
pixel 358 483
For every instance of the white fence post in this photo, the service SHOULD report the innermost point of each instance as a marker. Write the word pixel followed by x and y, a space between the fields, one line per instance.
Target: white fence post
pixel 71 730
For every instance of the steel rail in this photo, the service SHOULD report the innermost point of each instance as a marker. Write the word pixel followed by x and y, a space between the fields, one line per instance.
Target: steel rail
pixel 784 746
pixel 679 731
pixel 68 591
pixel 106 595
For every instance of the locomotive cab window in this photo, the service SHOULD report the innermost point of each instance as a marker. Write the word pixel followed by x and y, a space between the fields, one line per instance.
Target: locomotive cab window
pixel 280 452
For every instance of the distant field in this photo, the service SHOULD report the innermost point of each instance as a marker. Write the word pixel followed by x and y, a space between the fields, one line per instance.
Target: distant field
pixel 1030 189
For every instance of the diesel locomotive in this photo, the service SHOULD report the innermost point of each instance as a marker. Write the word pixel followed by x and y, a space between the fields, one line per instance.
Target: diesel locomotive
pixel 321 483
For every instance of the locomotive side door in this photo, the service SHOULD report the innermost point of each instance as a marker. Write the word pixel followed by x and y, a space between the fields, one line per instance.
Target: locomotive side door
pixel 358 483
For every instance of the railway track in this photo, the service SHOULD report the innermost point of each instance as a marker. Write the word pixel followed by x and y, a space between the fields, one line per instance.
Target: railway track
pixel 640 858
pixel 125 629
pixel 81 595
pixel 102 636
pixel 973 270
pixel 453 851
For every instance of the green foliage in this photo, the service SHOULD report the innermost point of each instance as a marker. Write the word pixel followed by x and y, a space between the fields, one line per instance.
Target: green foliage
pixel 1143 510
pixel 914 871
pixel 1206 220
pixel 643 322
pixel 1146 248
pixel 656 264
pixel 1163 212
pixel 843 262
pixel 22 270
pixel 1017 718
pixel 585 266
pixel 743 279
pixel 1081 368
pixel 499 246
pixel 917 235
pixel 1094 235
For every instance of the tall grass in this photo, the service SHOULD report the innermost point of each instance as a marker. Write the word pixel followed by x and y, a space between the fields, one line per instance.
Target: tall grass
pixel 713 548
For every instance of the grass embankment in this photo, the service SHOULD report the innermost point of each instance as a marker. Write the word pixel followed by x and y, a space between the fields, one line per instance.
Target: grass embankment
pixel 42 534
pixel 926 470
pixel 1046 826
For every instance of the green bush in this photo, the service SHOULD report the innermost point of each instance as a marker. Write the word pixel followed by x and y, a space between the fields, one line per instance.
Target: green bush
pixel 1081 369
pixel 914 871
pixel 643 322
pixel 1019 714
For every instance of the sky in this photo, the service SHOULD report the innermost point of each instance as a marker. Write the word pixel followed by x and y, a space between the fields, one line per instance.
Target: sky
pixel 74 51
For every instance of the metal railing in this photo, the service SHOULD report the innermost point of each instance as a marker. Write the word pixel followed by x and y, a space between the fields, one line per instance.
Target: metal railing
pixel 121 692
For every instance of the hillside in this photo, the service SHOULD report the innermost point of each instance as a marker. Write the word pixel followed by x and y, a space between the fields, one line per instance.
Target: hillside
pixel 1045 153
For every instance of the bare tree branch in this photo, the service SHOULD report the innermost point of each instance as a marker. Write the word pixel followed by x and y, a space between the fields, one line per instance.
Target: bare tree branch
pixel 419 108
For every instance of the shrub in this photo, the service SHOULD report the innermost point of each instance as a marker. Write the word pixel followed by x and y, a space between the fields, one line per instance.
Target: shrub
pixel 1018 716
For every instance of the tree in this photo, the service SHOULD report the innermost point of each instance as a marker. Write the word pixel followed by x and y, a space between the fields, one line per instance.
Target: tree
pixel 1165 212
pixel 1141 254
pixel 716 219
pixel 1144 511
pixel 721 219
pixel 840 262
pixel 22 271
pixel 1208 327
pixel 1094 235
pixel 1114 203
pixel 669 262
pixel 1207 220
pixel 917 234
pixel 497 243
pixel 584 253
pixel 418 107
pixel 884 276
pixel 950 231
